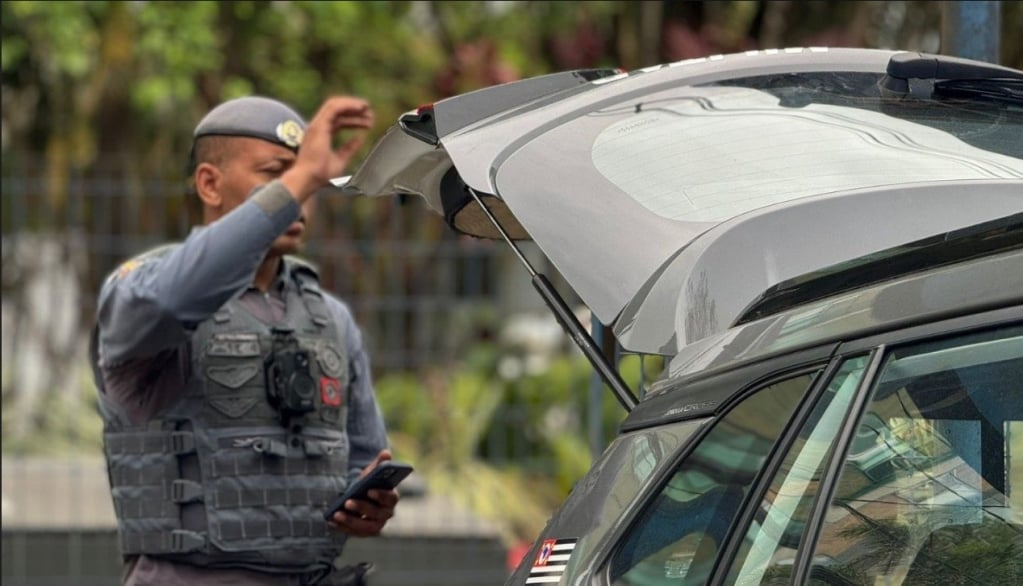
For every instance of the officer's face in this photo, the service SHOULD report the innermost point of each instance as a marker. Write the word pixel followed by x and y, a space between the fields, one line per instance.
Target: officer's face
pixel 249 163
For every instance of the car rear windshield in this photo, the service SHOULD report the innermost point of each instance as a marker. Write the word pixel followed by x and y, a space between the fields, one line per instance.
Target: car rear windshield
pixel 707 153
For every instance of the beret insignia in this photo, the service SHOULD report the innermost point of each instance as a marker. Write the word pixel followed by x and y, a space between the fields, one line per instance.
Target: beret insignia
pixel 290 133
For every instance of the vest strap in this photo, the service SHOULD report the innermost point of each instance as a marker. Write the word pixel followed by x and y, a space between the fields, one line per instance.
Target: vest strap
pixel 186 491
pixel 272 447
pixel 148 442
pixel 312 296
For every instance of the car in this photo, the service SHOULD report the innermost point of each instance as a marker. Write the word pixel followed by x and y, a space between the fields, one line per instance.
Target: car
pixel 826 247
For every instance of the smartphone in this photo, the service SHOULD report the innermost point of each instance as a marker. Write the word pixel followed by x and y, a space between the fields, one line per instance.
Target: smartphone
pixel 386 476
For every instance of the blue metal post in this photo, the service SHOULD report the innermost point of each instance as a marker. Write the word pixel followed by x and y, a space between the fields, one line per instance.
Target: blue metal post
pixel 972 30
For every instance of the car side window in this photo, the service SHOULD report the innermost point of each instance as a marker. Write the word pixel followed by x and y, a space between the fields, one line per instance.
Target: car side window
pixel 599 500
pixel 931 490
pixel 676 539
pixel 766 553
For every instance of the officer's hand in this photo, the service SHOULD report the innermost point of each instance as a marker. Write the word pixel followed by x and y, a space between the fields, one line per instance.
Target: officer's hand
pixel 360 518
pixel 318 161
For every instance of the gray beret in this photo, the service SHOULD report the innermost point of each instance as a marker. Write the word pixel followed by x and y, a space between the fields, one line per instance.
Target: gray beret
pixel 256 117
pixel 253 116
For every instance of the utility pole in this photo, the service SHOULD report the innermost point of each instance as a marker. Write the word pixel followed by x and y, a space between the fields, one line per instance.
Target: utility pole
pixel 972 30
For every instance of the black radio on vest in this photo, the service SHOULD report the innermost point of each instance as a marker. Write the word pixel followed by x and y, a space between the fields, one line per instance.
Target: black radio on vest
pixel 290 387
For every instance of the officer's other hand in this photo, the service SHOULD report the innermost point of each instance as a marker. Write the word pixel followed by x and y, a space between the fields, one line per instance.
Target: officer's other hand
pixel 318 160
pixel 360 518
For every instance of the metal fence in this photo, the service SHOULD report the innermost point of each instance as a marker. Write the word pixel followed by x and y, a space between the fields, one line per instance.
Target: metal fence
pixel 423 295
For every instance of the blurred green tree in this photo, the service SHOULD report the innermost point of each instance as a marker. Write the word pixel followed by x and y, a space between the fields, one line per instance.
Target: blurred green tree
pixel 128 79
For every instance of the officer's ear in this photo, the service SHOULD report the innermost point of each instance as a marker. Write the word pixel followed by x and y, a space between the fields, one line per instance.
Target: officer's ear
pixel 208 184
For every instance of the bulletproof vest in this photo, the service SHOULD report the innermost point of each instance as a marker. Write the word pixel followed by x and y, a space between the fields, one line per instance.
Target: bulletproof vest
pixel 239 470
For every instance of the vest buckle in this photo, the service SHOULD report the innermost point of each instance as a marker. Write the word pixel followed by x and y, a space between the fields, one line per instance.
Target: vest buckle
pixel 271 447
pixel 186 491
pixel 317 449
pixel 182 541
pixel 182 443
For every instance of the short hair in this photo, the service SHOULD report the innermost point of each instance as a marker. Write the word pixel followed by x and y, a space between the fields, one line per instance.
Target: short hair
pixel 215 150
pixel 212 149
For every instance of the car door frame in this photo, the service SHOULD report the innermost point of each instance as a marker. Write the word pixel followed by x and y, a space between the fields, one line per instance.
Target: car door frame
pixel 827 358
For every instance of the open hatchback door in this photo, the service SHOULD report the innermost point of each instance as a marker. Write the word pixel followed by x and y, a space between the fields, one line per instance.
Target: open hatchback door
pixel 672 198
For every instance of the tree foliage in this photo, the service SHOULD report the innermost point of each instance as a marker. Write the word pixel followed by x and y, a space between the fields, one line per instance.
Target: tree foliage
pixel 84 78
pixel 485 437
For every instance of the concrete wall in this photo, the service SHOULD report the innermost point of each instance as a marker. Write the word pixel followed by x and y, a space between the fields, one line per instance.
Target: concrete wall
pixel 89 558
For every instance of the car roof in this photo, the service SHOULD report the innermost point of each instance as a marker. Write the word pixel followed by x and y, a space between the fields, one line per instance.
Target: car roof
pixel 667 278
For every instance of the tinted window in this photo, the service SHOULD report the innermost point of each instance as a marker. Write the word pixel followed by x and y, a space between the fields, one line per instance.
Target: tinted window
pixel 676 539
pixel 599 499
pixel 767 552
pixel 932 488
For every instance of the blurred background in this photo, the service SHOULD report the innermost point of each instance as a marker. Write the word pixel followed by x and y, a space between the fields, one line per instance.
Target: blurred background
pixel 481 389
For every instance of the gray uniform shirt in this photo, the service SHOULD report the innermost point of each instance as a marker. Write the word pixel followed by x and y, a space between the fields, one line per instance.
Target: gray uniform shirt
pixel 146 313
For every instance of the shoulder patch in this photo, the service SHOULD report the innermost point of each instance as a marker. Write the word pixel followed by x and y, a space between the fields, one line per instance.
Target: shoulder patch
pixel 129 266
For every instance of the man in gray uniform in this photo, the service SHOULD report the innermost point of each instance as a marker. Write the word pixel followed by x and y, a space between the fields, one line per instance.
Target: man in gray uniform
pixel 236 394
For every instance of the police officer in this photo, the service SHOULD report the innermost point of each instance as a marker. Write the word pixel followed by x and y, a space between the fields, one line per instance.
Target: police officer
pixel 235 392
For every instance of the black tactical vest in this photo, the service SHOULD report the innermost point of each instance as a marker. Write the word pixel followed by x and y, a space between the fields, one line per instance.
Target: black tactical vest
pixel 238 471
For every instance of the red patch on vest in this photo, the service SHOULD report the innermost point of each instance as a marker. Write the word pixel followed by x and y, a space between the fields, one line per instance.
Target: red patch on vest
pixel 330 391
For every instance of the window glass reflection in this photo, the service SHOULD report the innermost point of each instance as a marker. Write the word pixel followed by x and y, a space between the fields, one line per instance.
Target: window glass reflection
pixel 929 492
pixel 769 548
pixel 676 539
pixel 601 497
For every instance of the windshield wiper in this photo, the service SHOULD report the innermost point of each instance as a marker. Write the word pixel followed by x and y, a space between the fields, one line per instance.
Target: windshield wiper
pixel 949 74
pixel 1002 90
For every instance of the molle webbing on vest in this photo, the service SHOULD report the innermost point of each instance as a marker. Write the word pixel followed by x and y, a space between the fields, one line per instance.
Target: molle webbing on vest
pixel 239 488
pixel 150 442
pixel 236 463
pixel 296 496
pixel 273 529
pixel 135 476
pixel 157 500
pixel 140 481
pixel 161 542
